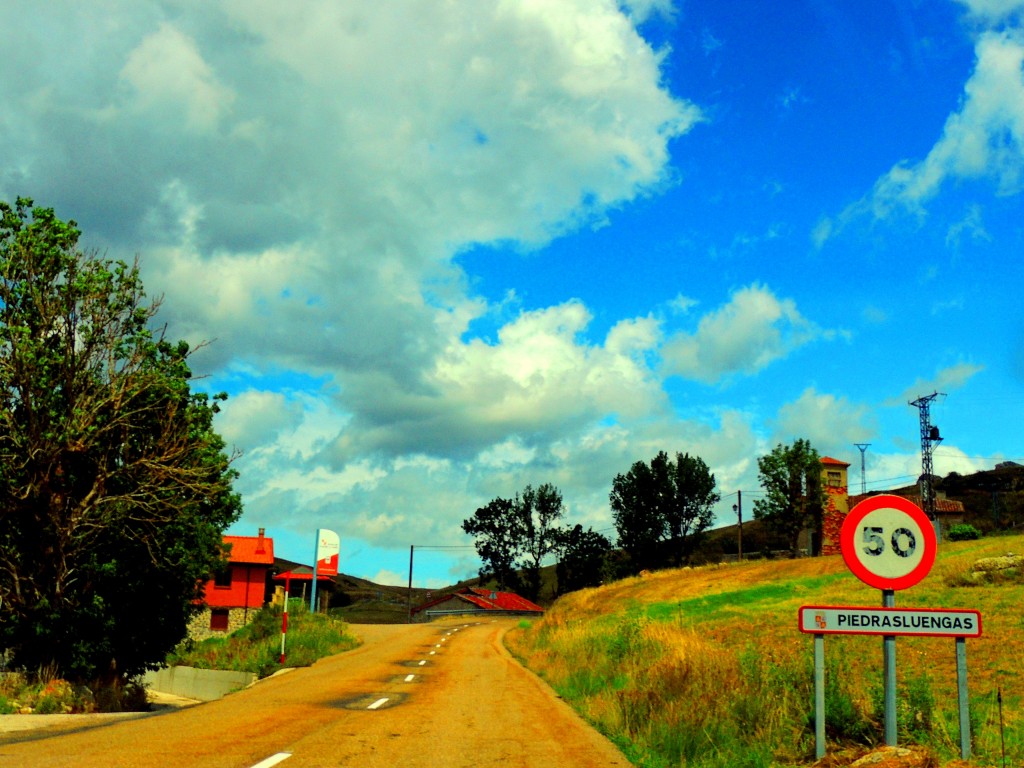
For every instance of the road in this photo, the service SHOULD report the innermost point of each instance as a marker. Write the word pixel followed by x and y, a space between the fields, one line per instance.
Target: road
pixel 412 696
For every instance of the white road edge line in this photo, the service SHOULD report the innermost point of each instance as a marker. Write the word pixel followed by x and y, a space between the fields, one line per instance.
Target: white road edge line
pixel 378 704
pixel 273 760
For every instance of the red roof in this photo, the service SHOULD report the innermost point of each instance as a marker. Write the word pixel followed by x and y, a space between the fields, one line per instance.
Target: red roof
pixel 834 462
pixel 253 550
pixel 301 573
pixel 486 600
pixel 941 505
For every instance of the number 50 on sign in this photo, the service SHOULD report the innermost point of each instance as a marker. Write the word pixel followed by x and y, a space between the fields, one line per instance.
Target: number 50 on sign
pixel 888 542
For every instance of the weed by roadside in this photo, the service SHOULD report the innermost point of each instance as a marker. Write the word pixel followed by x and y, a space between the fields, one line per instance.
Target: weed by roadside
pixel 256 647
pixel 41 693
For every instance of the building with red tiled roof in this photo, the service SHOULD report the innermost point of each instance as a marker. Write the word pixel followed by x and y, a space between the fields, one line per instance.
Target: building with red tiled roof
pixel 470 600
pixel 236 592
pixel 838 504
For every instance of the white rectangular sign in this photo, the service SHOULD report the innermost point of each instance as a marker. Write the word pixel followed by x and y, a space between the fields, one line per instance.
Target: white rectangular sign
pixel 849 620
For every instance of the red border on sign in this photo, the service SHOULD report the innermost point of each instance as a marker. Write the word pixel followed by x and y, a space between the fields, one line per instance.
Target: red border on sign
pixel 800 623
pixel 849 531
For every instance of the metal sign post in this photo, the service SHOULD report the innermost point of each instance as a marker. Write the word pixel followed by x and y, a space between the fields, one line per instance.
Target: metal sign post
pixel 889 673
pixel 821 620
pixel 963 704
pixel 889 543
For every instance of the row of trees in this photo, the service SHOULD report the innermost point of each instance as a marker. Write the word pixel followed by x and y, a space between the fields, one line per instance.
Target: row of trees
pixel 662 509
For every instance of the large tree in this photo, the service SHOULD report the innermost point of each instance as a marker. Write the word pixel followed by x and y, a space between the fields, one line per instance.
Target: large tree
pixel 498 533
pixel 540 509
pixel 582 561
pixel 794 499
pixel 114 487
pixel 517 535
pixel 662 509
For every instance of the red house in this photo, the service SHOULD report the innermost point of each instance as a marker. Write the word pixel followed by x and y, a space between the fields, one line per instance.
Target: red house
pixel 234 595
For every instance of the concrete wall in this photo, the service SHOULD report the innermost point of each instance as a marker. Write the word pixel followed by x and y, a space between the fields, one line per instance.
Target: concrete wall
pixel 199 684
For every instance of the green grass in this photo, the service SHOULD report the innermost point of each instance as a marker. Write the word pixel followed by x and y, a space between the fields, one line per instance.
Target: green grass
pixel 761 596
pixel 256 647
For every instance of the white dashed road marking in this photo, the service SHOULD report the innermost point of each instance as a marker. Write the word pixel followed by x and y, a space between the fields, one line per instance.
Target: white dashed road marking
pixel 410 678
pixel 273 760
pixel 378 704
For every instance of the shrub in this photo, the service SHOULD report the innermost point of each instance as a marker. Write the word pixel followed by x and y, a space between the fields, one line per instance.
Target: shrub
pixel 963 532
pixel 845 718
pixel 915 706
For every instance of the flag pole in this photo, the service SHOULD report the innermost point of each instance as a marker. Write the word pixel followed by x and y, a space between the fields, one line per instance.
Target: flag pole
pixel 316 554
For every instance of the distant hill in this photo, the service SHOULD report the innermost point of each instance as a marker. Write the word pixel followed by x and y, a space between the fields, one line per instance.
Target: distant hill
pixel 361 601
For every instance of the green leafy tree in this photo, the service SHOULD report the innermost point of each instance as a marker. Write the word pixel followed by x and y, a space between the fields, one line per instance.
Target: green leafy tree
pixel 794 498
pixel 638 507
pixel 540 510
pixel 498 532
pixel 513 537
pixel 114 487
pixel 662 509
pixel 584 553
pixel 691 512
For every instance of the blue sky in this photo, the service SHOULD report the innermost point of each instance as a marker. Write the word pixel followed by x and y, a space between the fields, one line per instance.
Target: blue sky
pixel 443 251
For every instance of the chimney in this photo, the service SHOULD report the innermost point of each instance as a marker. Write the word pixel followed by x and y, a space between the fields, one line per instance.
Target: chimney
pixel 259 543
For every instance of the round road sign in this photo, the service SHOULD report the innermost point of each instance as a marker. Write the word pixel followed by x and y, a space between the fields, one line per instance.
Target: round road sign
pixel 888 542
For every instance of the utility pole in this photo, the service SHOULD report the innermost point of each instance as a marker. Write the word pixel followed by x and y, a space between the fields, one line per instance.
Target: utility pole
pixel 738 509
pixel 863 483
pixel 412 550
pixel 929 435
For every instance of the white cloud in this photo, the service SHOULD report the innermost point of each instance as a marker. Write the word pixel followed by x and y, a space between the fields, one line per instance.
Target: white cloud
pixel 822 231
pixel 831 423
pixel 971 226
pixel 994 11
pixel 642 10
pixel 169 74
pixel 985 138
pixel 950 378
pixel 254 418
pixel 539 379
pixel 874 315
pixel 390 578
pixel 753 330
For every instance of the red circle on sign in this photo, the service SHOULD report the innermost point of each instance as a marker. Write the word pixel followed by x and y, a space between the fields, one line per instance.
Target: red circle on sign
pixel 874 552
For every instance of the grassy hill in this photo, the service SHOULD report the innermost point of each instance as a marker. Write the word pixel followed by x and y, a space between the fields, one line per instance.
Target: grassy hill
pixel 706 667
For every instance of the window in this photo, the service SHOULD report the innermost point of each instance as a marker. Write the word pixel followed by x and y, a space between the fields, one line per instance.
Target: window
pixel 222 578
pixel 219 620
pixel 834 479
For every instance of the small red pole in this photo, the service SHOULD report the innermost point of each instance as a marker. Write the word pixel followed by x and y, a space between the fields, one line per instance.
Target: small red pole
pixel 284 614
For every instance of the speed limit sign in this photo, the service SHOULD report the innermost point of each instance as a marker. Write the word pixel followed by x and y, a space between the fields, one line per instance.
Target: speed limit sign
pixel 888 542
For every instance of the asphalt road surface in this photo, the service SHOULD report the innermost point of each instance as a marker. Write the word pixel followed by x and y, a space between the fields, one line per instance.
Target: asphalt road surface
pixel 438 695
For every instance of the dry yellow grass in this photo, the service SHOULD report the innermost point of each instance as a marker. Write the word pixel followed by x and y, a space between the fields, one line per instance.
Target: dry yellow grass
pixel 705 632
